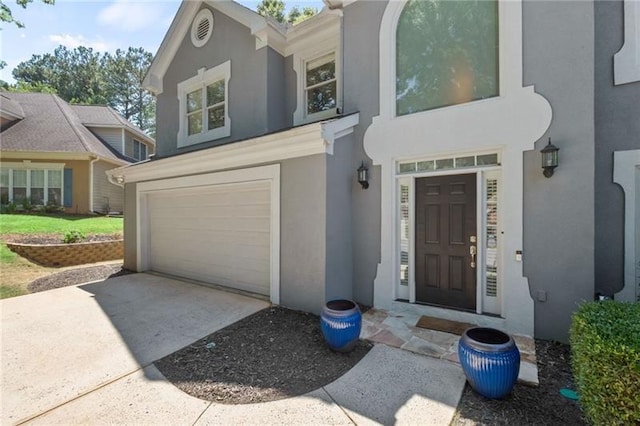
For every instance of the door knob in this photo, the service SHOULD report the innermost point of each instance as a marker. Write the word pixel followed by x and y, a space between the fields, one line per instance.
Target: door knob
pixel 473 251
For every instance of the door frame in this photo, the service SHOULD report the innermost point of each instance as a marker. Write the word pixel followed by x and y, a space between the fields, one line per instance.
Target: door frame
pixel 484 304
pixel 269 174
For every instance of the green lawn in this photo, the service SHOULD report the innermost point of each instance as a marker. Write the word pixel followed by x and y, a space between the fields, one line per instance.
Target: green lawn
pixel 59 224
pixel 16 272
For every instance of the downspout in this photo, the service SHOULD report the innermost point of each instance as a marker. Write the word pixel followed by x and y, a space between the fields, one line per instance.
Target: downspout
pixel 91 184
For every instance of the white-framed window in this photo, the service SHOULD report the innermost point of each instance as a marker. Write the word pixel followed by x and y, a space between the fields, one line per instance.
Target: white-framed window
pixel 319 84
pixel 447 53
pixel 204 106
pixel 139 150
pixel 39 183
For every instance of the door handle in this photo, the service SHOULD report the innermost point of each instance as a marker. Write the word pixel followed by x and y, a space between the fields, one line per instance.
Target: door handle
pixel 473 251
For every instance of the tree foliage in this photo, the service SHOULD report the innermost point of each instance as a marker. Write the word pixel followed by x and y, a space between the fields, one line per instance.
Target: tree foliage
pixel 7 16
pixel 85 76
pixel 276 8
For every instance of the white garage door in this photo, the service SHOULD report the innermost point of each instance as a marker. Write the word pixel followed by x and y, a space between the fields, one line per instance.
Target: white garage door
pixel 218 234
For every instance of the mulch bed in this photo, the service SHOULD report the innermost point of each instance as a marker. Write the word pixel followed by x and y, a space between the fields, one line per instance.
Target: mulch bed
pixel 274 354
pixel 77 276
pixel 526 405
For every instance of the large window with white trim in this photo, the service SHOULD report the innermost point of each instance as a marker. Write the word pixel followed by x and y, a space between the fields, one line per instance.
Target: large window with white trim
pixel 204 106
pixel 321 84
pixel 37 185
pixel 446 54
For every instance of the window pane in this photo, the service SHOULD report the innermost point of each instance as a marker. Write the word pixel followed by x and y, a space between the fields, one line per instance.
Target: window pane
pixel 37 186
pixel 19 194
pixel 136 150
pixel 55 178
pixel 465 162
pixel 487 160
pixel 446 163
pixel 446 54
pixel 194 101
pixel 4 178
pixel 20 178
pixel 195 123
pixel 215 93
pixel 491 238
pixel 55 196
pixel 321 98
pixel 323 69
pixel 37 195
pixel 407 167
pixel 424 166
pixel 404 234
pixel 216 117
pixel 143 151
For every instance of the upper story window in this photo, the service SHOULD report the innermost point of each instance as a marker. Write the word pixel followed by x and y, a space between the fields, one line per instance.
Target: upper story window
pixel 446 54
pixel 139 150
pixel 321 84
pixel 204 106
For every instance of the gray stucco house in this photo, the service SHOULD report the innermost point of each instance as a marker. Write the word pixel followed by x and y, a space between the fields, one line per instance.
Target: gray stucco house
pixel 261 129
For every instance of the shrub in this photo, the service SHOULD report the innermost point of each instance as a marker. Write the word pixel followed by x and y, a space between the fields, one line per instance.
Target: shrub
pixel 52 207
pixel 9 208
pixel 605 357
pixel 73 237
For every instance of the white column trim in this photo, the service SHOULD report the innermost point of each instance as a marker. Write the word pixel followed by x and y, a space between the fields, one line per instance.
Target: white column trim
pixel 626 63
pixel 625 166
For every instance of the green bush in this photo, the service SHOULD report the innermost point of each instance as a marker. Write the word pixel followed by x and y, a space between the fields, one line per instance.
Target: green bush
pixel 605 357
pixel 73 237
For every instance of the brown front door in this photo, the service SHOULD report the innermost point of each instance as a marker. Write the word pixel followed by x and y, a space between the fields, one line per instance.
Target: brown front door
pixel 445 234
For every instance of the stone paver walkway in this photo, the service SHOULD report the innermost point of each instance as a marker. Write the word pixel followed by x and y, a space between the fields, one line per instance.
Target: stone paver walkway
pixel 399 331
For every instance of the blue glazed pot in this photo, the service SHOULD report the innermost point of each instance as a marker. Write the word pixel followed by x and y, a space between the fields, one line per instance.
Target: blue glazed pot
pixel 491 361
pixel 341 322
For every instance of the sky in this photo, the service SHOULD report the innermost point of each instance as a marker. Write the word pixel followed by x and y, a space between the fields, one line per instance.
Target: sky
pixel 102 25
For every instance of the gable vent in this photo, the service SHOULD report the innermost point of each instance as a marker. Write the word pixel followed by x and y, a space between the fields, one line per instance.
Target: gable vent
pixel 201 28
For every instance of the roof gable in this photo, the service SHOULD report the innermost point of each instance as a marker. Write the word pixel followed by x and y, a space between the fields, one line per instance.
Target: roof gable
pixel 267 32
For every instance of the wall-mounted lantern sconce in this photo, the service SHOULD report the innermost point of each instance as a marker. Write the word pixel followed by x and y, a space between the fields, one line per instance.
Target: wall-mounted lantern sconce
pixel 549 158
pixel 120 179
pixel 363 176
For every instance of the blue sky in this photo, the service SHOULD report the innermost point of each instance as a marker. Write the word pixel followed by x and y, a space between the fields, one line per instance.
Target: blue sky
pixel 102 25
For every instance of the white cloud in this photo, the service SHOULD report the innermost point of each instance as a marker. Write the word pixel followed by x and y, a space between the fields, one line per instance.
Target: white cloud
pixel 72 42
pixel 130 16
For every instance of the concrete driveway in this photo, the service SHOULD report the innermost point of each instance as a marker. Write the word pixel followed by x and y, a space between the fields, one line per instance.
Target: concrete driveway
pixel 62 344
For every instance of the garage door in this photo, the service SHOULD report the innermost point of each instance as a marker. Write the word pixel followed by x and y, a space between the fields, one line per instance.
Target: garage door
pixel 218 234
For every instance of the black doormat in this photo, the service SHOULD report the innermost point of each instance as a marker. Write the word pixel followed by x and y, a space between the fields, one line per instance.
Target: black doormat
pixel 448 326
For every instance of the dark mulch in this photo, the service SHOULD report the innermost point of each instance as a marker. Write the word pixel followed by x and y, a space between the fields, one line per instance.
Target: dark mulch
pixel 77 276
pixel 542 405
pixel 274 354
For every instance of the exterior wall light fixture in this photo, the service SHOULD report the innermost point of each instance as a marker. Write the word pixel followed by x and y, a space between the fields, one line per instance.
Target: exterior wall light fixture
pixel 549 159
pixel 120 179
pixel 363 176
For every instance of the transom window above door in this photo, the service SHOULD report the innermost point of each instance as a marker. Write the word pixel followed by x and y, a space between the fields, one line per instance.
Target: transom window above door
pixel 446 54
pixel 204 106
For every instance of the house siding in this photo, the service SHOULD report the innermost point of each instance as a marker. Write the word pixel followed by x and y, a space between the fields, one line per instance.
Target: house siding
pixel 113 137
pixel 107 197
pixel 361 93
pixel 558 212
pixel 617 128
pixel 249 95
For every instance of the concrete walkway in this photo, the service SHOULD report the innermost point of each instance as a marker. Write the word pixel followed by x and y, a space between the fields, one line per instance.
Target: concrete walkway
pixel 83 355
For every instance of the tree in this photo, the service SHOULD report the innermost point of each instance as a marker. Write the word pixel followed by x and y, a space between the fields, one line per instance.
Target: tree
pixel 84 76
pixel 275 9
pixel 7 16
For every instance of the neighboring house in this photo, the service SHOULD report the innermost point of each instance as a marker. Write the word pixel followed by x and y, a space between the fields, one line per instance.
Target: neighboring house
pixel 53 152
pixel 261 129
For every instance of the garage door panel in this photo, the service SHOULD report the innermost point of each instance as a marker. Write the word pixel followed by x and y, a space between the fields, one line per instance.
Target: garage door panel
pixel 219 234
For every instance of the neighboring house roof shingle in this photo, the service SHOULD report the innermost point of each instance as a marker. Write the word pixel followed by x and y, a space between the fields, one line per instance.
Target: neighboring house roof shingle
pixel 8 105
pixel 52 125
pixel 102 115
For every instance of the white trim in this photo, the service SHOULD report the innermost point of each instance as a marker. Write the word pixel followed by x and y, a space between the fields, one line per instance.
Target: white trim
pixel 626 63
pixel 27 164
pixel 626 169
pixel 316 138
pixel 204 14
pixel 512 122
pixel 269 173
pixel 200 82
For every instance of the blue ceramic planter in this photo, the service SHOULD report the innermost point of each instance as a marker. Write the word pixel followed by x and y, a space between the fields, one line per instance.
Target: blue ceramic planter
pixel 341 322
pixel 491 361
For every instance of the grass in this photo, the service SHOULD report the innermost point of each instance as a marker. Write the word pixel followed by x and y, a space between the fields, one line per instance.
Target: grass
pixel 59 224
pixel 16 272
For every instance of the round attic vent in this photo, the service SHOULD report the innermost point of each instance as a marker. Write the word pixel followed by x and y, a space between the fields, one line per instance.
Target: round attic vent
pixel 201 28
